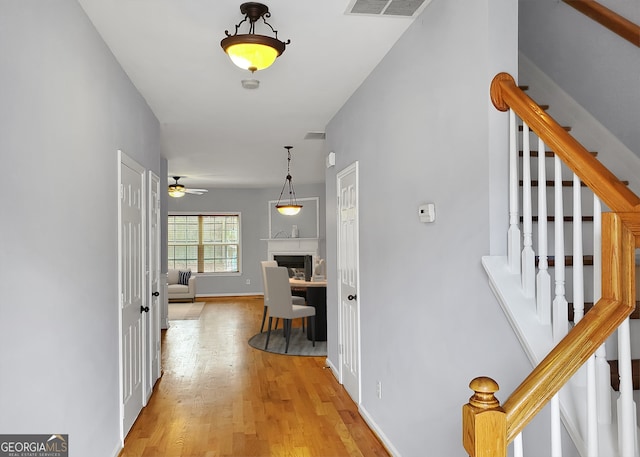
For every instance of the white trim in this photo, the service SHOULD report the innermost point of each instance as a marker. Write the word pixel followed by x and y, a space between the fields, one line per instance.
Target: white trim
pixel 348 169
pixel 334 369
pixel 234 294
pixel 378 431
pixel 272 203
pixel 124 159
pixel 217 213
pixel 154 186
pixel 117 450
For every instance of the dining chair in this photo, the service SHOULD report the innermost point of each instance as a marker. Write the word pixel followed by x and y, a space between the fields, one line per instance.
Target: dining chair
pixel 279 301
pixel 296 300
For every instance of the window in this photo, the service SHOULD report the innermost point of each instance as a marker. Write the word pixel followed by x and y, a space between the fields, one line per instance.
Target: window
pixel 205 243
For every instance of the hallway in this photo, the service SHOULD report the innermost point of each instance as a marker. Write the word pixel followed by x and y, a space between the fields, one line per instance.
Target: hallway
pixel 220 397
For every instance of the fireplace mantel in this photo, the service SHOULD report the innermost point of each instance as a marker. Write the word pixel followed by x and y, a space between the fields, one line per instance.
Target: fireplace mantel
pixel 293 246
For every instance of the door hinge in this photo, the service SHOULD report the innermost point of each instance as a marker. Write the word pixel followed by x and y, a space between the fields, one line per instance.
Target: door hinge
pixel 340 348
pixel 121 191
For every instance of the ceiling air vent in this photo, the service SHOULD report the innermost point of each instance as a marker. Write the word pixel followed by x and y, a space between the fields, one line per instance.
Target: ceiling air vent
pixel 406 8
pixel 315 136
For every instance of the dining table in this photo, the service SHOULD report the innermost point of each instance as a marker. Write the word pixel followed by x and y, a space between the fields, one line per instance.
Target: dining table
pixel 315 293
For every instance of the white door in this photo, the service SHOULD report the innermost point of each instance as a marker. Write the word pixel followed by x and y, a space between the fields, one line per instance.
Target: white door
pixel 152 320
pixel 132 288
pixel 348 280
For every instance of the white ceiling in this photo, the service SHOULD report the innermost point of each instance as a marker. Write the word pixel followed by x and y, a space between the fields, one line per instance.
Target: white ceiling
pixel 214 132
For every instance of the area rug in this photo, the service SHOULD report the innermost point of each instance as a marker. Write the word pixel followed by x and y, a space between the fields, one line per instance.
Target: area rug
pixel 185 311
pixel 298 344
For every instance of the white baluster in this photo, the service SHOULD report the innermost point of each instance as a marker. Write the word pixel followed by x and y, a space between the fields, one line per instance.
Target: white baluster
pixel 603 371
pixel 560 313
pixel 543 280
pixel 513 235
pixel 592 409
pixel 518 449
pixel 528 256
pixel 627 437
pixel 593 377
pixel 556 428
pixel 578 264
pixel 580 378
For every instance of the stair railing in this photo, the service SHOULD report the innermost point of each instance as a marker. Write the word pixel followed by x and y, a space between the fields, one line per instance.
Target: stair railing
pixel 489 427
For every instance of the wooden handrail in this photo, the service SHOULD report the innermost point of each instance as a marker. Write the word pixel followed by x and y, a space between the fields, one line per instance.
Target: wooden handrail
pixel 613 21
pixel 588 335
pixel 620 238
pixel 614 193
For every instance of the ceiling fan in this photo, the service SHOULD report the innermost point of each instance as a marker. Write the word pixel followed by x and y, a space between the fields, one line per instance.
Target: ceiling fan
pixel 177 190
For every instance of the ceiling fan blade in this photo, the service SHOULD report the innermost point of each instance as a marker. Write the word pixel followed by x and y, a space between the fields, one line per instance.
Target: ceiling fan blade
pixel 196 191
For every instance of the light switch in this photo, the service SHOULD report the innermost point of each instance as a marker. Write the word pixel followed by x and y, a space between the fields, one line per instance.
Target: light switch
pixel 427 212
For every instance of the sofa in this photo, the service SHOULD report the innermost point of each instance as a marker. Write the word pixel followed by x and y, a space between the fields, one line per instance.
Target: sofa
pixel 181 285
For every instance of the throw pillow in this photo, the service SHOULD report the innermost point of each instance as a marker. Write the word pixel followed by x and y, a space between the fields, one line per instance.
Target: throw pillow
pixel 183 277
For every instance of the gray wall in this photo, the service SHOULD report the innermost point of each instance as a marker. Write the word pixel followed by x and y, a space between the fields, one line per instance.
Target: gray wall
pixel 252 204
pixel 66 108
pixel 597 68
pixel 419 128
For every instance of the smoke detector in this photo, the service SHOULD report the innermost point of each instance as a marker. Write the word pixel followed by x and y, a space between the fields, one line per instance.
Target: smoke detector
pixel 250 83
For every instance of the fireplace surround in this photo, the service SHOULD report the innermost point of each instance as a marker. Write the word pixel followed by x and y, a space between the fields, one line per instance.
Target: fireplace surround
pixel 292 252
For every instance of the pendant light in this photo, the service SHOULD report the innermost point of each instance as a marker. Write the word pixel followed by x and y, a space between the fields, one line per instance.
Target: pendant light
pixel 251 51
pixel 292 208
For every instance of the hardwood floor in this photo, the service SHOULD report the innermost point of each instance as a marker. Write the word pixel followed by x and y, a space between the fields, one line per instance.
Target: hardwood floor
pixel 220 397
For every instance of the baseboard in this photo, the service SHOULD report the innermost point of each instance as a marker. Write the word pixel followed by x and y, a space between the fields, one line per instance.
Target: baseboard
pixel 334 370
pixel 234 294
pixel 378 432
pixel 117 450
pixel 367 418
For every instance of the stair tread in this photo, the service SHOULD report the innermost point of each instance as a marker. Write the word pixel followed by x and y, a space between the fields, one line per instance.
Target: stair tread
pixel 565 218
pixel 568 260
pixel 635 374
pixel 550 154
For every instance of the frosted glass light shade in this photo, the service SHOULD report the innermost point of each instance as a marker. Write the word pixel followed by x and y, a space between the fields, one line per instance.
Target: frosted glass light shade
pixel 289 210
pixel 252 56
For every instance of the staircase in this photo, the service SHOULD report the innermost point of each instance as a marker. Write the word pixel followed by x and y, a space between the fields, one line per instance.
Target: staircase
pixel 587 229
pixel 548 284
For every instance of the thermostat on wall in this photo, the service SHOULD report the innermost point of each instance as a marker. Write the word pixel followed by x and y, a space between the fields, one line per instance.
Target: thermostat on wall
pixel 331 159
pixel 427 212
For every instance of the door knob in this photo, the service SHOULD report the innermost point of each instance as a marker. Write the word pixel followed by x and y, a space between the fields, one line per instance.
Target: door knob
pixel 351 297
pixel 156 294
pixel 144 309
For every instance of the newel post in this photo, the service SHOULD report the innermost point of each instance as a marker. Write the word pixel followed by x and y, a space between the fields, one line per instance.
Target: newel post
pixel 484 424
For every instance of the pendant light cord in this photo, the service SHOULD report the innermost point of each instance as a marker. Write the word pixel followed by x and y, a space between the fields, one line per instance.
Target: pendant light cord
pixel 292 193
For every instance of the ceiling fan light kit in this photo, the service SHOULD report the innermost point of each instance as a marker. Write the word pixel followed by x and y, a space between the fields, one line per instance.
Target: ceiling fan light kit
pixel 251 51
pixel 177 190
pixel 292 207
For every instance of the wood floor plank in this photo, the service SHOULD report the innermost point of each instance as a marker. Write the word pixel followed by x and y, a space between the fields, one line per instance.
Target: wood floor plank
pixel 220 397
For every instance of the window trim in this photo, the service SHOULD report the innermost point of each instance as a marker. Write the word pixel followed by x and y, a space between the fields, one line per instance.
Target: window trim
pixel 216 213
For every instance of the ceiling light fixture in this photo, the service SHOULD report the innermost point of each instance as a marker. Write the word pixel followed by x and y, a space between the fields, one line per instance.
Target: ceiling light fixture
pixel 292 208
pixel 251 51
pixel 176 190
